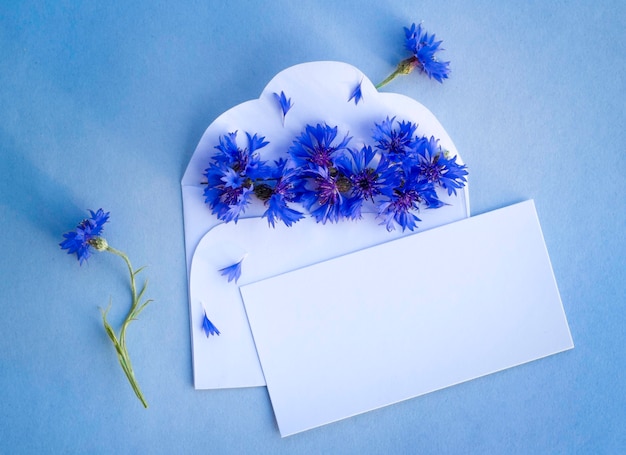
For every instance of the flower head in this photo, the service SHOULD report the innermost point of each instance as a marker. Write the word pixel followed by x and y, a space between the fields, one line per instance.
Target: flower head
pixel 316 146
pixel 80 241
pixel 436 168
pixel 284 103
pixel 208 327
pixel 369 175
pixel 284 191
pixel 323 195
pixel 230 177
pixel 227 193
pixel 424 47
pixel 246 161
pixel 400 207
pixel 395 142
pixel 86 235
pixel 232 272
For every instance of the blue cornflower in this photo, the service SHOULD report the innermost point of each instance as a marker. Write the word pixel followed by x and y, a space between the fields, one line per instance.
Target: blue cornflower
pixel 284 103
pixel 406 199
pixel 233 272
pixel 399 209
pixel 230 178
pixel 323 197
pixel 285 191
pixel 424 47
pixel 357 95
pixel 247 161
pixel 208 327
pixel 227 193
pixel 368 177
pixel 236 200
pixel 436 168
pixel 395 143
pixel 86 235
pixel 316 147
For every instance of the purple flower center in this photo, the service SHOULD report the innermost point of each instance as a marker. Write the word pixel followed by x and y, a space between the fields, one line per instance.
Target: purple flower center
pixel 431 171
pixel 396 145
pixel 230 195
pixel 321 156
pixel 327 191
pixel 365 184
pixel 405 202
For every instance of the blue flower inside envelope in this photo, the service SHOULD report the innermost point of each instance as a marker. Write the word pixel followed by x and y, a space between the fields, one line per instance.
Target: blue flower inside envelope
pixel 320 166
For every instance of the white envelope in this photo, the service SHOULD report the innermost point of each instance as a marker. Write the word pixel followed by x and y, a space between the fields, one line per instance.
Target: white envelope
pixel 320 93
pixel 407 317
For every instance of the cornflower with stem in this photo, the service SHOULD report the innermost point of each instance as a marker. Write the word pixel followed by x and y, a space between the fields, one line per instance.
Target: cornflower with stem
pixel 424 49
pixel 80 241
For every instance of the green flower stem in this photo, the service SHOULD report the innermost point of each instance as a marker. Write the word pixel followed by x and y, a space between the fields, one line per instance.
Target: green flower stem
pixel 135 308
pixel 390 78
pixel 406 66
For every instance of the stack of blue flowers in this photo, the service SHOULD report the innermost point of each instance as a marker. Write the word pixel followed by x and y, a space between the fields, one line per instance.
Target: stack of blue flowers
pixel 395 175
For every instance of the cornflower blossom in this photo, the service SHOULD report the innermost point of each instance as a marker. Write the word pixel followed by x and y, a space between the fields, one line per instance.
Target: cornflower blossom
pixel 317 147
pixel 436 168
pixel 396 142
pixel 370 176
pixel 323 197
pixel 399 209
pixel 86 235
pixel 412 194
pixel 284 191
pixel 230 178
pixel 424 49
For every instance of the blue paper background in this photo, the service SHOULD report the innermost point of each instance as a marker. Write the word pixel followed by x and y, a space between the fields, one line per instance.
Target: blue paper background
pixel 102 105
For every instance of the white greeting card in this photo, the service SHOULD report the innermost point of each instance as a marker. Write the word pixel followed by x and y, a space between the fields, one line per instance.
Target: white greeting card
pixel 320 93
pixel 406 317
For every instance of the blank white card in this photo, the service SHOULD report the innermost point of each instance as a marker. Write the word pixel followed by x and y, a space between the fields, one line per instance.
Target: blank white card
pixel 407 317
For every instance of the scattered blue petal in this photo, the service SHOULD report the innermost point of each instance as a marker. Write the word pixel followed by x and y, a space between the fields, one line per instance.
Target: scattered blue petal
pixel 80 240
pixel 232 272
pixel 208 327
pixel 285 104
pixel 357 95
